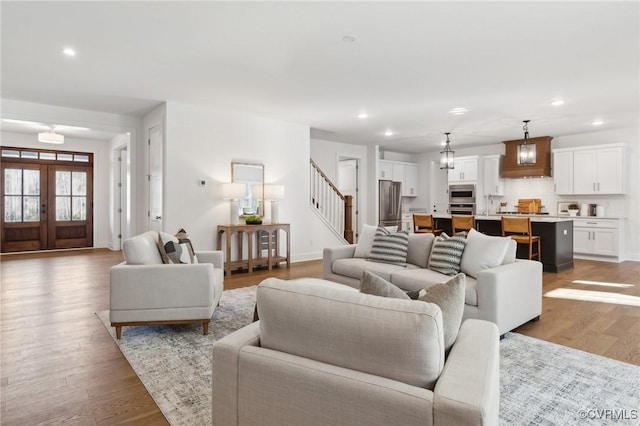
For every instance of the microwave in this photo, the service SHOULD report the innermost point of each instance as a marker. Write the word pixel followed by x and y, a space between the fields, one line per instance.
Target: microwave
pixel 462 194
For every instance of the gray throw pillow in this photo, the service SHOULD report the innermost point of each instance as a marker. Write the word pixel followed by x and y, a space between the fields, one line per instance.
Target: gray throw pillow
pixel 390 247
pixel 449 297
pixel 373 284
pixel 446 254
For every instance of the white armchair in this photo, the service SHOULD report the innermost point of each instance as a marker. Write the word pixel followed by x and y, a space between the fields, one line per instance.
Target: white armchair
pixel 144 291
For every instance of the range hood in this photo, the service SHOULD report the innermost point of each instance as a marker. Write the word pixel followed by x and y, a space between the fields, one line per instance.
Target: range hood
pixel 542 167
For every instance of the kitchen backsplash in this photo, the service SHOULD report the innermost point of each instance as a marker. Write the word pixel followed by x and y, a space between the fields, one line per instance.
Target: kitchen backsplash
pixel 542 188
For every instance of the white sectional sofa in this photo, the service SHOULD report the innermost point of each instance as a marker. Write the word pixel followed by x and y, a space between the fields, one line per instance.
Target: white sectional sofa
pixel 503 290
pixel 373 361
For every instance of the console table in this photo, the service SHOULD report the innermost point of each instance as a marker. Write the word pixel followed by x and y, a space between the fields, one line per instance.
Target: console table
pixel 254 232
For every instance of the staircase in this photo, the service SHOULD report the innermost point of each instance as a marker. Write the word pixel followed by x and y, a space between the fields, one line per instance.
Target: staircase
pixel 330 204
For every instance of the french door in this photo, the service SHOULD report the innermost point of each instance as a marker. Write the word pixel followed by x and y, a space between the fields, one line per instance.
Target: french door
pixel 46 204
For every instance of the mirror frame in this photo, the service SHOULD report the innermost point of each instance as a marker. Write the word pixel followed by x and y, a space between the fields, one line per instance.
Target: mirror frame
pixel 235 169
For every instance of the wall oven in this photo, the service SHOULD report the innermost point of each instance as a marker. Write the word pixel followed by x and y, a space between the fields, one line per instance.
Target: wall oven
pixel 462 199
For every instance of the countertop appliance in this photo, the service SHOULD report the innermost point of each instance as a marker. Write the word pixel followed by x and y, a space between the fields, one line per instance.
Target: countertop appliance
pixel 390 203
pixel 462 199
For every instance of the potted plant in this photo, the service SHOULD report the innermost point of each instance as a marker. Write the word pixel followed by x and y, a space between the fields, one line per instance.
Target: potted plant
pixel 573 209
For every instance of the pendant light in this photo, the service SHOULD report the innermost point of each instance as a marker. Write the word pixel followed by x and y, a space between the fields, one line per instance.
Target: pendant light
pixel 526 150
pixel 446 156
pixel 50 136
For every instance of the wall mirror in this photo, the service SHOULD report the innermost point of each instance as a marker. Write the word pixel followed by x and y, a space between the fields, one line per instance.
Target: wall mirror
pixel 252 175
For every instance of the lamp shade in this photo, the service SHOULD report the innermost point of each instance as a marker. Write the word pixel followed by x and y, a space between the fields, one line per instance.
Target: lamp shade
pixel 233 191
pixel 274 192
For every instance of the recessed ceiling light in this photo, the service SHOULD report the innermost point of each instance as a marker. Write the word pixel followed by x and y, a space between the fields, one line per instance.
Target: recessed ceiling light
pixel 363 115
pixel 69 51
pixel 597 122
pixel 458 111
pixel 557 102
pixel 349 38
pixel 388 133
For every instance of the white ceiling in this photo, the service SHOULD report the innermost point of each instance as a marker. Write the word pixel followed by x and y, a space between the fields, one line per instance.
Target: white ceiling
pixel 410 64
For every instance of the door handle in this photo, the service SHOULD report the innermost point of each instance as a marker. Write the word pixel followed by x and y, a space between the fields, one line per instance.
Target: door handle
pixel 158 217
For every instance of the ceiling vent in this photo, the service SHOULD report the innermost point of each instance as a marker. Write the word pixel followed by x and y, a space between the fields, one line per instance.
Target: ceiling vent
pixel 511 168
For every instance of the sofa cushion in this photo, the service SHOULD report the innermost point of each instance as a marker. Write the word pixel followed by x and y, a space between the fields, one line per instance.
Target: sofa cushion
pixel 446 254
pixel 187 247
pixel 449 296
pixel 354 267
pixel 142 249
pixel 171 250
pixel 365 239
pixel 398 339
pixel 417 279
pixel 419 249
pixel 512 250
pixel 483 252
pixel 378 286
pixel 390 247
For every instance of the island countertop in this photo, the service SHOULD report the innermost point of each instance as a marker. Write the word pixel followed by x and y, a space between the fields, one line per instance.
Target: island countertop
pixel 556 236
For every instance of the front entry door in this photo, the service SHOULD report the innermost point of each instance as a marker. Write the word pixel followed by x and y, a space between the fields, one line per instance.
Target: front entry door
pixel 46 204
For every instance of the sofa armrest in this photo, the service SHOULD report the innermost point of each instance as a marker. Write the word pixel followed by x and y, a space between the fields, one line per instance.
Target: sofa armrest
pixel 157 285
pixel 224 378
pixel 211 256
pixel 510 295
pixel 331 254
pixel 468 390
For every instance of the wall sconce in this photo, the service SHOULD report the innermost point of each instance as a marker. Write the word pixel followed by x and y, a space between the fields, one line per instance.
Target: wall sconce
pixel 233 192
pixel 275 193
pixel 526 150
pixel 446 156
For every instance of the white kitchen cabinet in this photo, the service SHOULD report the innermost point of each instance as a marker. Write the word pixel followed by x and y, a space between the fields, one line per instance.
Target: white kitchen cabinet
pixel 407 222
pixel 465 169
pixel 597 237
pixel 563 172
pixel 385 170
pixel 592 170
pixel 493 184
pixel 410 184
pixel 398 173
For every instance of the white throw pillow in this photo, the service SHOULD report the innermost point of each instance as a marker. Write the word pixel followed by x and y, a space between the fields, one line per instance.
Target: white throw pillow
pixel 482 252
pixel 365 239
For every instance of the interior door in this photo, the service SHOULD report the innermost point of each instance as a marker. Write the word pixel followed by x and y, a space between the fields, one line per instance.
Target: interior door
pixel 70 216
pixel 24 207
pixel 155 178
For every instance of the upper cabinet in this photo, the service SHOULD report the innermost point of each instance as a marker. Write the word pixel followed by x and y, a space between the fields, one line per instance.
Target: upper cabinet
pixel 589 170
pixel 563 172
pixel 410 185
pixel 493 184
pixel 465 169
pixel 405 173
pixel 385 170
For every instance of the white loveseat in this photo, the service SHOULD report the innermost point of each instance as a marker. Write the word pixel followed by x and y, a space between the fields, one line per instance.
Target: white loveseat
pixel 508 294
pixel 145 291
pixel 325 354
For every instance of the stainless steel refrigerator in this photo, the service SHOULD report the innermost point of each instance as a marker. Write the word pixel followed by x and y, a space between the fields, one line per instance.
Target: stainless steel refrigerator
pixel 390 204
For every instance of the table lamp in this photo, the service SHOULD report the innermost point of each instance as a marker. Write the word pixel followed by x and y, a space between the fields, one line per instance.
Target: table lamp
pixel 233 192
pixel 275 193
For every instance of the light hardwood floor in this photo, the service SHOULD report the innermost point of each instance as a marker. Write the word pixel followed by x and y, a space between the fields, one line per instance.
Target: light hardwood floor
pixel 59 365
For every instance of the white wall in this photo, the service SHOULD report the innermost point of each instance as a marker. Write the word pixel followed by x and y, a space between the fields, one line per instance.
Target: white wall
pixel 101 176
pixel 326 154
pixel 201 142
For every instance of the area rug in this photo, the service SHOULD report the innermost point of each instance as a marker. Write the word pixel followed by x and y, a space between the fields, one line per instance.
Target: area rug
pixel 541 383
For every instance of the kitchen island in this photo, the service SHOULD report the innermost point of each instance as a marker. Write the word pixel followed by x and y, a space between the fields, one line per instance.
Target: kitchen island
pixel 556 237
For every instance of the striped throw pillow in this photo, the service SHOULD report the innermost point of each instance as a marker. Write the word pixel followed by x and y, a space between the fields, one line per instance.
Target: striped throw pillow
pixel 447 253
pixel 390 247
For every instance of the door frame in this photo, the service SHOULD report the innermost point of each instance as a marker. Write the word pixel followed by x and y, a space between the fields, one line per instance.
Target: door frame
pixel 357 201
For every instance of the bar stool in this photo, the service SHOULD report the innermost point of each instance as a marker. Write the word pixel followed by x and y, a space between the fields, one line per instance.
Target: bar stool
pixel 462 223
pixel 423 224
pixel 519 228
